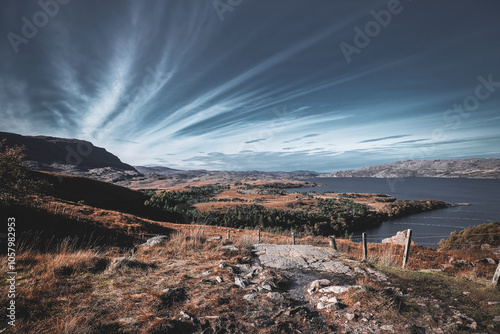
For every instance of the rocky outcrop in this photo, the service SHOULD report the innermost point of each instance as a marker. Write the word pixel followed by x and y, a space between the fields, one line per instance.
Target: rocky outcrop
pixel 300 257
pixel 398 239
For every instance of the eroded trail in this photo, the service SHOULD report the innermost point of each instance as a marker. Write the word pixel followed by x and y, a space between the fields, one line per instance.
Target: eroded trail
pixel 350 295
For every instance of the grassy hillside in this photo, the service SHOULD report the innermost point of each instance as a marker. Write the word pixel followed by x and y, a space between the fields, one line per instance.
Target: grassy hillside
pixel 102 195
pixel 95 193
pixel 473 237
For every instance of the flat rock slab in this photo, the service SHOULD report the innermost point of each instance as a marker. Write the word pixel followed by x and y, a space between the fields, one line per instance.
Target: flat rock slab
pixel 300 257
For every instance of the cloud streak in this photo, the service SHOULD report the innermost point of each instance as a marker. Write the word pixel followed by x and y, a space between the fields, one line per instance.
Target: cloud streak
pixel 164 81
pixel 383 138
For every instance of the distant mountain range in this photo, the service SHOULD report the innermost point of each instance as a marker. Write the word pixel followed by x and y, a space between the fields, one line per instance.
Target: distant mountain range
pixel 79 157
pixel 475 168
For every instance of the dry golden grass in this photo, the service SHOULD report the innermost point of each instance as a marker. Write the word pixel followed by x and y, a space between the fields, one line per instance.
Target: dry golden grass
pixel 81 291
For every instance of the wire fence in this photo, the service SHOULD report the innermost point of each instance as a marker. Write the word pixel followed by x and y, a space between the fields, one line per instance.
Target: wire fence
pixel 72 211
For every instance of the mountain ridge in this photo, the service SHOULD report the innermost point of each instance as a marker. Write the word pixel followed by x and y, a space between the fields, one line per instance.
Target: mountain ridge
pixel 80 157
pixel 57 154
pixel 474 168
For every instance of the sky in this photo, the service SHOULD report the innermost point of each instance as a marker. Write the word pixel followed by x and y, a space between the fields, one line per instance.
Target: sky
pixel 256 85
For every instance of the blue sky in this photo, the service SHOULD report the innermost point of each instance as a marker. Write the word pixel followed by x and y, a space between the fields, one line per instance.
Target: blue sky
pixel 246 84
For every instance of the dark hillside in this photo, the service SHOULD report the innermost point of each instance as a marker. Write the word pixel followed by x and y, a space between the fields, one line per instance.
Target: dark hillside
pixel 49 150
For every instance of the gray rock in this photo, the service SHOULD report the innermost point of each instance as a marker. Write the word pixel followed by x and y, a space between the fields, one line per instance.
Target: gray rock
pixel 389 328
pixel 186 315
pixel 250 297
pixel 268 285
pixel 275 296
pixel 215 238
pixel 300 257
pixel 230 248
pixel 349 316
pixel 329 300
pixel 377 275
pixel 242 283
pixel 154 241
pixel 121 263
pixel 339 288
pixel 488 260
pixel 332 307
pixel 316 285
pixel 219 279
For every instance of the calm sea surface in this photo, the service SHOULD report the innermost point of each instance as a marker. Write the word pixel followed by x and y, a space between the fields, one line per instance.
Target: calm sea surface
pixel 428 227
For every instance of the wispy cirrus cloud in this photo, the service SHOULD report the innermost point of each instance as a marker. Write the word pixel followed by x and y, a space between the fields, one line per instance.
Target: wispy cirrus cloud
pixel 164 81
pixel 383 138
pixel 254 141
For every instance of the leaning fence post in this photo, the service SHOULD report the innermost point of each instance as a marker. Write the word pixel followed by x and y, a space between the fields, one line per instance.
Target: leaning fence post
pixel 407 248
pixel 258 236
pixel 333 244
pixel 496 277
pixel 64 210
pixel 57 206
pixel 293 238
pixel 365 248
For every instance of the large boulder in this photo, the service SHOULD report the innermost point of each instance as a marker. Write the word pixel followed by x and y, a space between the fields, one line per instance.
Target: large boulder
pixel 398 239
pixel 154 241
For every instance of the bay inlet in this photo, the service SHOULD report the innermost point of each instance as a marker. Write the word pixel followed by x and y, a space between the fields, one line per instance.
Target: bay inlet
pixel 429 228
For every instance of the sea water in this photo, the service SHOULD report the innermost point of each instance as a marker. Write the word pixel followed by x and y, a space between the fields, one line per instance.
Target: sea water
pixel 428 228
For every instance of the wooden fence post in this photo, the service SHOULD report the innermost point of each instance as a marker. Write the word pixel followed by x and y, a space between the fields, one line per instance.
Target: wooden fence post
pixel 57 206
pixel 293 238
pixel 407 248
pixel 64 210
pixel 228 234
pixel 365 248
pixel 258 236
pixel 333 244
pixel 496 277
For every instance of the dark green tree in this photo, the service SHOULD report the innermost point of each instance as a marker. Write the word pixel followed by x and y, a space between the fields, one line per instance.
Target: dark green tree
pixel 16 179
